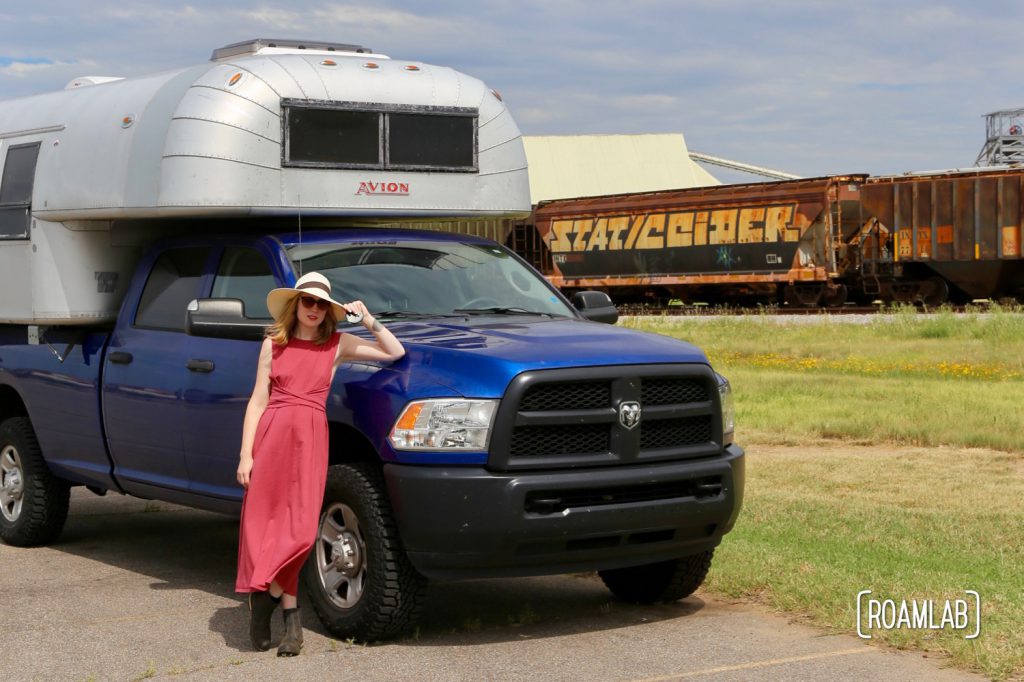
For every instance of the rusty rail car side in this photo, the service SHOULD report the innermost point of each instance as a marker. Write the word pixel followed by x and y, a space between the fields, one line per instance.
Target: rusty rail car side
pixel 743 239
pixel 815 241
pixel 963 227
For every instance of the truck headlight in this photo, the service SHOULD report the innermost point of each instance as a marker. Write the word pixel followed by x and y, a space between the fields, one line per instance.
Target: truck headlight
pixel 728 410
pixel 444 424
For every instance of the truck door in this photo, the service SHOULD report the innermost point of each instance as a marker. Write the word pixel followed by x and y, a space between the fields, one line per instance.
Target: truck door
pixel 145 374
pixel 221 375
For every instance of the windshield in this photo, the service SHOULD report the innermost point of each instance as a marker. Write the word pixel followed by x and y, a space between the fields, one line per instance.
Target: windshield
pixel 429 277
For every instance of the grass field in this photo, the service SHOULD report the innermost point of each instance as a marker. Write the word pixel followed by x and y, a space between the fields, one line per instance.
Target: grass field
pixel 908 478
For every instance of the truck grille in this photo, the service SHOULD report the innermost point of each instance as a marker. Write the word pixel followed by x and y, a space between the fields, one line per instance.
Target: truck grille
pixel 669 433
pixel 562 439
pixel 556 501
pixel 583 395
pixel 657 391
pixel 574 417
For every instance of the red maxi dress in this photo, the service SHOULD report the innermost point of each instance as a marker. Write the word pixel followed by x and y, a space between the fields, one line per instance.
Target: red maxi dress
pixel 281 507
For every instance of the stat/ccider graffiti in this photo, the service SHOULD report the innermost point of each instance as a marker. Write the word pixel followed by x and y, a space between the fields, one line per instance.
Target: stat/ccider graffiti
pixel 750 225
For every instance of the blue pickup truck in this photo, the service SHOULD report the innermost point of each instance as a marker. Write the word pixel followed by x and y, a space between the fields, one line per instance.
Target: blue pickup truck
pixel 518 436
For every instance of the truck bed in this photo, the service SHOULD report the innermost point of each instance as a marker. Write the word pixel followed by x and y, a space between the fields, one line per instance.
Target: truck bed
pixel 62 398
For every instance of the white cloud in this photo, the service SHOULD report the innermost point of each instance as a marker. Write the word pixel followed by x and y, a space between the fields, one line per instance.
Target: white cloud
pixel 649 101
pixel 808 85
pixel 134 12
pixel 275 17
pixel 537 115
pixel 376 17
pixel 23 69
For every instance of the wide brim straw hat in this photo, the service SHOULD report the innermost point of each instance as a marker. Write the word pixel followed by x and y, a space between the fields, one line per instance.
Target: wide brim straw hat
pixel 310 284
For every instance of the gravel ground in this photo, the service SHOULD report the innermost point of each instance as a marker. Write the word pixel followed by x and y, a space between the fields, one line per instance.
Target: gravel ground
pixel 135 590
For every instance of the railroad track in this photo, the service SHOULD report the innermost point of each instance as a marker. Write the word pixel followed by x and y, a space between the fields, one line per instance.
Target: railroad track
pixel 630 309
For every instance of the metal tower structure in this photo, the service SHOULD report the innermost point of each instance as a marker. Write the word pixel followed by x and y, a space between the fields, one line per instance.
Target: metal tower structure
pixel 1004 139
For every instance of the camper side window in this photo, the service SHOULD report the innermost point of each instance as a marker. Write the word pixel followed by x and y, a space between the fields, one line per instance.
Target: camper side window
pixel 16 190
pixel 245 274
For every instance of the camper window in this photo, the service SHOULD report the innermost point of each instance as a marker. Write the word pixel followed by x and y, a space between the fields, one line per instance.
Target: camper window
pixel 431 141
pixel 16 190
pixel 379 136
pixel 334 137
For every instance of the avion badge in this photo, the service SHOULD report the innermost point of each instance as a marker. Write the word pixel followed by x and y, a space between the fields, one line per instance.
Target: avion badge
pixel 398 189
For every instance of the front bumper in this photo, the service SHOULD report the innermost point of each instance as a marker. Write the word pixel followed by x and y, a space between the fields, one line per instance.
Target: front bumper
pixel 467 522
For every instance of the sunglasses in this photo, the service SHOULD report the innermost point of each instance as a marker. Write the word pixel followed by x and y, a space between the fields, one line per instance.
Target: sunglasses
pixel 313 301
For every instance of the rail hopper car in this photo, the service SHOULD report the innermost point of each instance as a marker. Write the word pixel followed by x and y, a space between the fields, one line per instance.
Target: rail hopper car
pixel 949 234
pixel 819 241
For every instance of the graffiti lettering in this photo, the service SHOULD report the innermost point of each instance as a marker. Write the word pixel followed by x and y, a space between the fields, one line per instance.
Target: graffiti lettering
pixel 759 224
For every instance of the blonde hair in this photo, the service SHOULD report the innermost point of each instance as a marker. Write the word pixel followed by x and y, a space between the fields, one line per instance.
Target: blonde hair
pixel 283 329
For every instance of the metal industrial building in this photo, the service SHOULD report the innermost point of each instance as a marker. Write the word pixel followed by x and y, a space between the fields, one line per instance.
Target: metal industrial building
pixel 565 166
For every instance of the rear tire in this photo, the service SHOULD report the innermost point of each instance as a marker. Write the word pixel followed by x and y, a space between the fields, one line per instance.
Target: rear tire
pixel 33 502
pixel 666 581
pixel 360 581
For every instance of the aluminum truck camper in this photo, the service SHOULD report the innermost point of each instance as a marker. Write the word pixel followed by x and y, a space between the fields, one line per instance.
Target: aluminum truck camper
pixel 265 129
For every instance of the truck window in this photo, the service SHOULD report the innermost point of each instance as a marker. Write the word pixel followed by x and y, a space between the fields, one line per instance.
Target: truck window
pixel 172 284
pixel 426 276
pixel 244 273
pixel 16 190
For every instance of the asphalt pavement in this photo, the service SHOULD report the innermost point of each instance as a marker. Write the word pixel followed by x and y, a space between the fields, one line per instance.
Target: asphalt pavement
pixel 136 590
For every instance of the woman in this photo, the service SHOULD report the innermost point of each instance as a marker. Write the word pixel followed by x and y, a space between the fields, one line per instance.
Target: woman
pixel 283 462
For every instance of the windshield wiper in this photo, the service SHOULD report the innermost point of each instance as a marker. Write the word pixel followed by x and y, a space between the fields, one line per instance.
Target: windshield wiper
pixel 499 310
pixel 384 314
pixel 408 314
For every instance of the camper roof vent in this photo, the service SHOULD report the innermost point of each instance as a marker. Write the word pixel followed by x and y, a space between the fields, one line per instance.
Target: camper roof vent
pixel 83 81
pixel 264 45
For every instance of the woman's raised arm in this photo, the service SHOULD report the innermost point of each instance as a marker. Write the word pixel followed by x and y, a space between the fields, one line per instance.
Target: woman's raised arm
pixel 385 347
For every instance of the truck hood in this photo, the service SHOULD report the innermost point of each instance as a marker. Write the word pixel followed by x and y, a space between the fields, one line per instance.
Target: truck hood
pixel 478 357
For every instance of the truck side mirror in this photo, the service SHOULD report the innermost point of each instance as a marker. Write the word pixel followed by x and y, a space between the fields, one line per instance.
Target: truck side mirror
pixel 223 318
pixel 596 306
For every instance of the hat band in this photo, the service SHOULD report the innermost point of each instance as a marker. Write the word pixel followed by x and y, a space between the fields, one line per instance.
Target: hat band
pixel 318 293
pixel 314 285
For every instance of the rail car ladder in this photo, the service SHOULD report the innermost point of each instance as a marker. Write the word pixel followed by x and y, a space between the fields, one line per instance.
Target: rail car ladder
pixel 874 262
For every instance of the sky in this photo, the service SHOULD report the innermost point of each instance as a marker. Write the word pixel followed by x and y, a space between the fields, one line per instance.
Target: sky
pixel 810 87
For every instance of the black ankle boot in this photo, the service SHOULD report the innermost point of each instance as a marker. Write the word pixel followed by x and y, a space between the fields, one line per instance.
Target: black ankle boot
pixel 291 643
pixel 261 608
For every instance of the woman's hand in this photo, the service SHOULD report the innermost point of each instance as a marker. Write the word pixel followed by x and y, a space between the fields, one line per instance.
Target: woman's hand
pixel 244 469
pixel 360 307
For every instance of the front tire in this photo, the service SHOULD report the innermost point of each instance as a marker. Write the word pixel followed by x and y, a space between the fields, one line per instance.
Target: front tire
pixel 359 579
pixel 666 581
pixel 33 502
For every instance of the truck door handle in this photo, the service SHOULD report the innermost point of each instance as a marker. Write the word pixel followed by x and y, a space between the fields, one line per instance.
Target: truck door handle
pixel 204 366
pixel 120 357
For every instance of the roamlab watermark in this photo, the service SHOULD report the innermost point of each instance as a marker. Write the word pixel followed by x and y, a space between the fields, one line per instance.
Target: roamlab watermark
pixel 957 615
